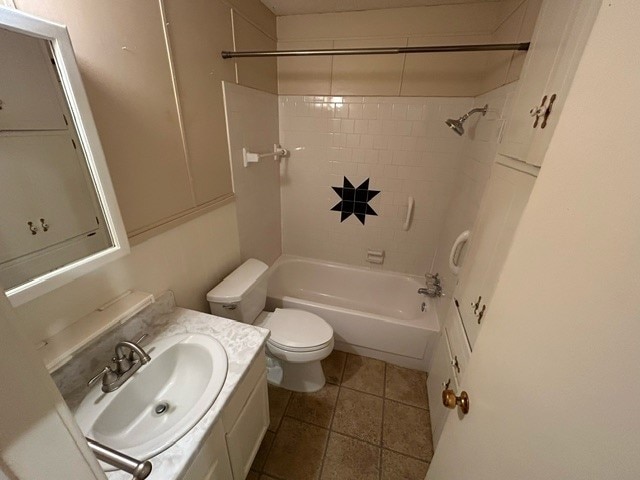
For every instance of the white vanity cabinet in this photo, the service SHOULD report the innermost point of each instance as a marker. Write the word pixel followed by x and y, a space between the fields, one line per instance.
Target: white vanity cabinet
pixel 236 437
pixel 559 38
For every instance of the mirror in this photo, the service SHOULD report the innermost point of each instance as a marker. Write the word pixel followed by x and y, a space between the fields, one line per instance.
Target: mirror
pixel 58 215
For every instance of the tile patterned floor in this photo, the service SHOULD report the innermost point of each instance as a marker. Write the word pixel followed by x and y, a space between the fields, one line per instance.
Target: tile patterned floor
pixel 369 422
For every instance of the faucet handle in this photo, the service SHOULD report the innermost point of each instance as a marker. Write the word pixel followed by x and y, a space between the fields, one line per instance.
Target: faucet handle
pixel 107 375
pixel 434 277
pixel 132 355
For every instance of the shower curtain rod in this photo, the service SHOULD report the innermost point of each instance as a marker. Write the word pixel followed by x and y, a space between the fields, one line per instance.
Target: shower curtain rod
pixel 379 51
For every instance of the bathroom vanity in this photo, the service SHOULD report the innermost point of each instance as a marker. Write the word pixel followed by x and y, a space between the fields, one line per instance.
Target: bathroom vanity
pixel 224 442
pixel 234 439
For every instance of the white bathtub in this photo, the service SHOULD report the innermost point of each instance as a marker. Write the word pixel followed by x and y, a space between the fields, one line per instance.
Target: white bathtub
pixel 373 313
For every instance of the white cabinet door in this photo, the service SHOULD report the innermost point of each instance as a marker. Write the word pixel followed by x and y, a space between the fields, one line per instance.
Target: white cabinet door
pixel 502 205
pixel 458 344
pixel 561 76
pixel 558 41
pixel 244 439
pixel 30 96
pixel 440 373
pixel 212 462
pixel 42 180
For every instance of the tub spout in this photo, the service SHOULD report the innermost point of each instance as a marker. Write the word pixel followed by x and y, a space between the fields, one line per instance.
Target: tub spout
pixel 432 291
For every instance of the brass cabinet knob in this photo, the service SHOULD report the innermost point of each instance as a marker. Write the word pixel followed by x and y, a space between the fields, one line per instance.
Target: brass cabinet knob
pixel 450 400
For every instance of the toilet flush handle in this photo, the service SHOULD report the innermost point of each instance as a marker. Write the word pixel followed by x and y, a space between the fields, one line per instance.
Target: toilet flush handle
pixel 229 306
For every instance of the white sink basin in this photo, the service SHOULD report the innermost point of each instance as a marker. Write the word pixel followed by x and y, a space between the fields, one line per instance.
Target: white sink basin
pixel 186 373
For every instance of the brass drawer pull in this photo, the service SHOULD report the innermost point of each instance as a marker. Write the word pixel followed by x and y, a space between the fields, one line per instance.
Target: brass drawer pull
pixel 455 364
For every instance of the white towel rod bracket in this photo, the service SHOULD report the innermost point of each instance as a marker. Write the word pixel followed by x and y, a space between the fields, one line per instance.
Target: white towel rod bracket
pixel 251 157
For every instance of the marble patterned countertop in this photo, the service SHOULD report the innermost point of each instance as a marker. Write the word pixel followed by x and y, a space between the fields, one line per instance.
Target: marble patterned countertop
pixel 243 343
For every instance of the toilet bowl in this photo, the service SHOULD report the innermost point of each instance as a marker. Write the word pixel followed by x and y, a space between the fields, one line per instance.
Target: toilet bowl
pixel 299 340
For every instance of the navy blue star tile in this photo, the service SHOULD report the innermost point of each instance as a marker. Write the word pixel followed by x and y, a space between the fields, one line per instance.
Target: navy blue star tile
pixel 354 201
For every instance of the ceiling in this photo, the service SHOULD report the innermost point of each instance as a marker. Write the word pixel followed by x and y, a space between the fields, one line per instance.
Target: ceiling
pixel 297 7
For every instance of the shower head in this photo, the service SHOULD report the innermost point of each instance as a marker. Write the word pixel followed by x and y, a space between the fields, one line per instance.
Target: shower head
pixel 457 125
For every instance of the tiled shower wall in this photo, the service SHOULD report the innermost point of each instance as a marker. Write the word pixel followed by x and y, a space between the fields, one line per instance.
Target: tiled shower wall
pixel 400 143
pixel 476 159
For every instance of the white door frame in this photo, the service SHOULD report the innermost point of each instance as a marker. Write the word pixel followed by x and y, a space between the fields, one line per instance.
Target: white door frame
pixel 38 435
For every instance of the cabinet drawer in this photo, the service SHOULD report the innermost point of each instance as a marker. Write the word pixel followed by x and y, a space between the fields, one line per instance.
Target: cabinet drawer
pixel 244 439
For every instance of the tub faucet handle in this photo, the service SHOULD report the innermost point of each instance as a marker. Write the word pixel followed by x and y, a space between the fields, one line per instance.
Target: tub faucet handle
pixel 432 278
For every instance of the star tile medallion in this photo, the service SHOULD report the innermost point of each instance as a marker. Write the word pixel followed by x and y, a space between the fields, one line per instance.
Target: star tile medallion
pixel 355 200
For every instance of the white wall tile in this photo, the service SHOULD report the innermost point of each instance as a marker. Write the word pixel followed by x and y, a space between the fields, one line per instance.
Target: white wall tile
pixel 386 140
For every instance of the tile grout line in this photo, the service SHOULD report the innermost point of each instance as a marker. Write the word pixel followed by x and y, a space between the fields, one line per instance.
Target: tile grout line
pixel 275 434
pixel 333 414
pixel 387 398
pixel 266 457
pixel 384 402
pixel 358 439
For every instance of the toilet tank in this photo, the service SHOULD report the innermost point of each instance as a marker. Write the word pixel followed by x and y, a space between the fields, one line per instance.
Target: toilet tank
pixel 242 295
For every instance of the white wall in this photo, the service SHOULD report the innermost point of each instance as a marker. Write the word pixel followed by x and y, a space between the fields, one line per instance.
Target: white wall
pixel 480 144
pixel 252 122
pixel 441 74
pixel 401 144
pixel 189 259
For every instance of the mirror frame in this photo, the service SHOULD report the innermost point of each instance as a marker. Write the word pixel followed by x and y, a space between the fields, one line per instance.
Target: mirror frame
pixel 76 96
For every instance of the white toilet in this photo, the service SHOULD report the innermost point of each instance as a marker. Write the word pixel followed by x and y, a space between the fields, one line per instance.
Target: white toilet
pixel 299 340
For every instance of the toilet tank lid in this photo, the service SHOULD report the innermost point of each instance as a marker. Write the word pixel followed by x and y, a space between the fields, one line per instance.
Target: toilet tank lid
pixel 238 282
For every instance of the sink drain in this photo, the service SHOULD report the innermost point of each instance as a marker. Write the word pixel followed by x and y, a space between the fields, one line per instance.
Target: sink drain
pixel 161 408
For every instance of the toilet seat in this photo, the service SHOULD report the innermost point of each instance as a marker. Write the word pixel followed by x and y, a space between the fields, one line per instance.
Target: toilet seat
pixel 294 349
pixel 294 330
pixel 298 357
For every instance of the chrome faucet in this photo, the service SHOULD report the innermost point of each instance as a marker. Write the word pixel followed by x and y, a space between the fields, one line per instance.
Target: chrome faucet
pixel 125 365
pixel 433 288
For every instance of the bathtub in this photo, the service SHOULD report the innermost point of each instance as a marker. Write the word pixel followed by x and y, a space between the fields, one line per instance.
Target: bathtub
pixel 373 313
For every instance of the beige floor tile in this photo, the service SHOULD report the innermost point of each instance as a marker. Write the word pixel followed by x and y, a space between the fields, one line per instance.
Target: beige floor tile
pixel 316 408
pixel 333 366
pixel 406 386
pixel 278 400
pixel 400 467
pixel 263 451
pixel 407 430
pixel 297 451
pixel 364 374
pixel 348 458
pixel 358 414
